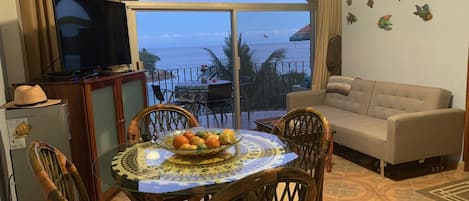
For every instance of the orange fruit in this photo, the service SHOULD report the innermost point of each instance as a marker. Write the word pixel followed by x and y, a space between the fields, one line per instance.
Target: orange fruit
pixel 179 140
pixel 212 142
pixel 196 140
pixel 207 135
pixel 185 146
pixel 189 134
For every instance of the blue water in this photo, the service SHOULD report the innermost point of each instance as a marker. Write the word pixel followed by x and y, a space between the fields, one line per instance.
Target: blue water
pixel 183 57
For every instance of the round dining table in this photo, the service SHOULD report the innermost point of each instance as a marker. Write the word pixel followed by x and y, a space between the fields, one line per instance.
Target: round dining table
pixel 147 168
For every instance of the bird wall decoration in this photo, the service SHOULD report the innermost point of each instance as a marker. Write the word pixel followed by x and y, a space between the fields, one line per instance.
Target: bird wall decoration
pixel 370 3
pixel 384 22
pixel 351 18
pixel 424 12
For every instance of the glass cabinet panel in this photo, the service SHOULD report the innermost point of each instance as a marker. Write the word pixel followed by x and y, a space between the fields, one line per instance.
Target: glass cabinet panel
pixel 105 124
pixel 132 99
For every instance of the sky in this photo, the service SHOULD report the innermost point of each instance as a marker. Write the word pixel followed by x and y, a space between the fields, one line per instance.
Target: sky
pixel 159 29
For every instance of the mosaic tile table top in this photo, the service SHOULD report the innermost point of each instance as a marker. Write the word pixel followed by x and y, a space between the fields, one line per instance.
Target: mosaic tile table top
pixel 146 167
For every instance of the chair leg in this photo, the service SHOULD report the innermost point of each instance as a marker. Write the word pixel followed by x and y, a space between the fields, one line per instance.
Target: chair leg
pixel 329 155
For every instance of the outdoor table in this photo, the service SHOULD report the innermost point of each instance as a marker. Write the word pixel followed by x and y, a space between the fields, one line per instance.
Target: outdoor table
pixel 147 168
pixel 194 94
pixel 195 90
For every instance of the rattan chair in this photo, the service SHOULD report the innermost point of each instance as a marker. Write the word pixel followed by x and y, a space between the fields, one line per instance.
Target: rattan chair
pixel 152 121
pixel 57 175
pixel 306 131
pixel 283 183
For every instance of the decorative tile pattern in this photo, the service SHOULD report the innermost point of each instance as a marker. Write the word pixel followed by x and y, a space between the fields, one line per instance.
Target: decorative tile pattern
pixel 453 191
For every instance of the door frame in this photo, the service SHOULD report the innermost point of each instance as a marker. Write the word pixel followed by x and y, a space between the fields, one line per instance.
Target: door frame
pixel 466 122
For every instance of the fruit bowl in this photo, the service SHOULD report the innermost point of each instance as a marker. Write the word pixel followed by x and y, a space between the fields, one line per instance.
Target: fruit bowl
pixel 166 142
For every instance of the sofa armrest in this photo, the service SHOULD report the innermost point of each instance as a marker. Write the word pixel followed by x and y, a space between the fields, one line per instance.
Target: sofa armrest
pixel 305 98
pixel 419 135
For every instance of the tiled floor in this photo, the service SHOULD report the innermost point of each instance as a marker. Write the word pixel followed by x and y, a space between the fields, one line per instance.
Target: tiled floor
pixel 350 182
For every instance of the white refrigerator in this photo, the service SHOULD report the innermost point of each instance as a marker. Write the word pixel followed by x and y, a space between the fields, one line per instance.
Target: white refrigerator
pixel 48 124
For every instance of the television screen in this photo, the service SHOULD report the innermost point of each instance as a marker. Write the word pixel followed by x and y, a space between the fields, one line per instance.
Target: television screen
pixel 92 33
pixel 118 48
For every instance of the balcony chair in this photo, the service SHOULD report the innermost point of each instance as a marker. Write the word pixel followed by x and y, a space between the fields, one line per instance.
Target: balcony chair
pixel 57 175
pixel 152 121
pixel 245 86
pixel 283 183
pixel 158 93
pixel 306 131
pixel 168 96
pixel 219 99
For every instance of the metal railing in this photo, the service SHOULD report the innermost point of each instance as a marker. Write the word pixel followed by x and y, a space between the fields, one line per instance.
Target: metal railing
pixel 265 89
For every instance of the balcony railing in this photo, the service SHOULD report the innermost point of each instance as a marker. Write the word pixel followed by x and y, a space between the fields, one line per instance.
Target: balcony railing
pixel 265 89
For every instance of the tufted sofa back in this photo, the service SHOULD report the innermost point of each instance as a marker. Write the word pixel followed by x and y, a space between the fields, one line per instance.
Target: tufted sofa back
pixel 392 98
pixel 358 99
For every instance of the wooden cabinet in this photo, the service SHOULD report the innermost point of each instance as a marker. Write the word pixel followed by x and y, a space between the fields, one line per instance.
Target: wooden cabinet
pixel 100 110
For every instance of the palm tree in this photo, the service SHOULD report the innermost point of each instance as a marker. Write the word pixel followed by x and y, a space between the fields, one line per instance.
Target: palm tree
pixel 248 71
pixel 225 69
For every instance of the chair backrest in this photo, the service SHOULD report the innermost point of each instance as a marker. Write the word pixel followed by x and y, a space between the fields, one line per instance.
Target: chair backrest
pixel 152 121
pixel 219 91
pixel 306 131
pixel 57 175
pixel 284 183
pixel 158 93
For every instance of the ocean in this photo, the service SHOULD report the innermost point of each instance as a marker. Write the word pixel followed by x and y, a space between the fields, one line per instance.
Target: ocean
pixel 185 57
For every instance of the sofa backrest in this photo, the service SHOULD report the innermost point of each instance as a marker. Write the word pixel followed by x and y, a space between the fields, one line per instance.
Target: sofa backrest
pixel 358 99
pixel 392 98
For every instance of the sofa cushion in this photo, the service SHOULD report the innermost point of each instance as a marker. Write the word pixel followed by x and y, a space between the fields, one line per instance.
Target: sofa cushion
pixel 339 84
pixel 357 131
pixel 389 99
pixel 358 99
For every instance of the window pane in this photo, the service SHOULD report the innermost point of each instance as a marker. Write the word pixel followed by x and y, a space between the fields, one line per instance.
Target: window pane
pixel 281 61
pixel 183 42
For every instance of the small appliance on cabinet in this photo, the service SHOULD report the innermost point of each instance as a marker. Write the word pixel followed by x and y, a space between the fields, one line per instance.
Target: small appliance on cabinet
pixel 48 124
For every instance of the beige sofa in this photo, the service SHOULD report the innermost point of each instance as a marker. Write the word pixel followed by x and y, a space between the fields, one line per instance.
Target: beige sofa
pixel 392 122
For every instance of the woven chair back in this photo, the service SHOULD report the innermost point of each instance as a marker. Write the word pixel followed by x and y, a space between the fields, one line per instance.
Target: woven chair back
pixel 283 183
pixel 152 121
pixel 57 175
pixel 306 131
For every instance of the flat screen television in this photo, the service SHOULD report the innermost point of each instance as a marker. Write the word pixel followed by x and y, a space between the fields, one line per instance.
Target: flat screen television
pixel 92 34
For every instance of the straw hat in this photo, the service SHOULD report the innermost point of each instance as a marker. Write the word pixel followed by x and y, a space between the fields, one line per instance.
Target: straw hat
pixel 27 96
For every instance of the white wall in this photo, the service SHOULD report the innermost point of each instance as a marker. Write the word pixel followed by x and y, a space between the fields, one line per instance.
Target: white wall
pixel 12 41
pixel 12 49
pixel 432 53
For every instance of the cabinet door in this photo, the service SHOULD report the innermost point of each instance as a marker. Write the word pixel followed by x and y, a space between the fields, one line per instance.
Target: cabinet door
pixel 133 99
pixel 105 125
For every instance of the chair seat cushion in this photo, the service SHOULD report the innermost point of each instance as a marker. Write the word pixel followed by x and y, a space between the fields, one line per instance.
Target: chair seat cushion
pixel 359 132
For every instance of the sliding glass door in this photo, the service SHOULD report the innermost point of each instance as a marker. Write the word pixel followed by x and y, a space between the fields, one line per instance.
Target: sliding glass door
pixel 249 45
pixel 273 61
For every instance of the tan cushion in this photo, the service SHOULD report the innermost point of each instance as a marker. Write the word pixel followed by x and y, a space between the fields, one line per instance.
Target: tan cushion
pixel 357 131
pixel 392 98
pixel 358 99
